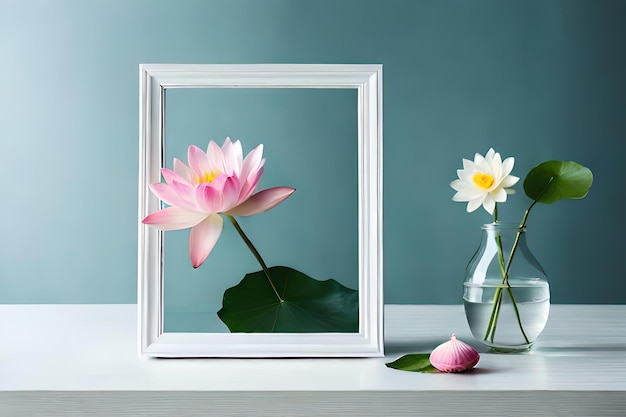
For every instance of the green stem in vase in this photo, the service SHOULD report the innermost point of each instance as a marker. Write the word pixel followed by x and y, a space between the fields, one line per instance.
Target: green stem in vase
pixel 495 314
pixel 519 320
pixel 256 254
pixel 497 298
pixel 505 276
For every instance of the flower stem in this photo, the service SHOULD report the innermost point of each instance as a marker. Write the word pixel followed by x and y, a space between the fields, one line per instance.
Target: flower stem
pixel 497 297
pixel 495 213
pixel 519 320
pixel 495 313
pixel 256 254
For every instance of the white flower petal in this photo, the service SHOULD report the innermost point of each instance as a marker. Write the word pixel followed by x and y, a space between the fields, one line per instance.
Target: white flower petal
pixel 507 165
pixel 509 181
pixel 489 155
pixel 496 167
pixel 465 175
pixel 475 203
pixel 489 204
pixel 484 167
pixel 468 194
pixel 479 159
pixel 499 195
pixel 457 185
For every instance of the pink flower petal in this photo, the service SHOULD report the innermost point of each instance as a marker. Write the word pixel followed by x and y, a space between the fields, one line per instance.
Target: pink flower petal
pixel 236 157
pixel 174 218
pixel 233 157
pixel 203 237
pixel 198 161
pixel 262 201
pixel 186 195
pixel 250 184
pixel 209 198
pixel 215 158
pixel 183 170
pixel 170 176
pixel 252 163
pixel 167 194
pixel 230 193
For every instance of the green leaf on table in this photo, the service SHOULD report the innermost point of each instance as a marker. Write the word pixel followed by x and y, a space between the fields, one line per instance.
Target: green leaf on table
pixel 414 362
pixel 307 305
pixel 552 181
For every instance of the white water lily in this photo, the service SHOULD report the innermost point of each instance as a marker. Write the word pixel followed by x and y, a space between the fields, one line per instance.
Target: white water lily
pixel 485 181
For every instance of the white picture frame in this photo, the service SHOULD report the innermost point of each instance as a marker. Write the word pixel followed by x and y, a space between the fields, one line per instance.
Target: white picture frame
pixel 366 79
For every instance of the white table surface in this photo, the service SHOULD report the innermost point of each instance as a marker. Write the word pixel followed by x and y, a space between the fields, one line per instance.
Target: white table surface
pixel 83 360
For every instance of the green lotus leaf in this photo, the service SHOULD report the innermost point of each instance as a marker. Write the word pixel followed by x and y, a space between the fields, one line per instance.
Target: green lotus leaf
pixel 552 181
pixel 307 305
pixel 414 362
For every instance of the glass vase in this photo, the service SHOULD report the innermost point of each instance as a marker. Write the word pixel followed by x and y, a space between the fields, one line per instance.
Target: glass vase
pixel 506 293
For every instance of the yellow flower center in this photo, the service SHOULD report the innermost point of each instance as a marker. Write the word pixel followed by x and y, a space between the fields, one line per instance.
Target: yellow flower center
pixel 207 177
pixel 482 180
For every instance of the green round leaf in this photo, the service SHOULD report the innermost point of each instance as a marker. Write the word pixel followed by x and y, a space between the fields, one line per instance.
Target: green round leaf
pixel 308 305
pixel 552 181
pixel 414 362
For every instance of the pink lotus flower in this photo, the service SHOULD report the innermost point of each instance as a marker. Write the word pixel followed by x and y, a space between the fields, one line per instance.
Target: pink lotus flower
pixel 217 182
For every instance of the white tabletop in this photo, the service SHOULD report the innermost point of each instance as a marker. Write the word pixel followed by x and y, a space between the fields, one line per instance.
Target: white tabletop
pixel 83 360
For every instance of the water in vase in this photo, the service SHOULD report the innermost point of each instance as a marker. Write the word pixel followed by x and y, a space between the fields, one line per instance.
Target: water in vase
pixel 533 304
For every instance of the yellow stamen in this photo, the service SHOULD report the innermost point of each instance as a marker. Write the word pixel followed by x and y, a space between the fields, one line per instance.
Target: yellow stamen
pixel 483 180
pixel 207 177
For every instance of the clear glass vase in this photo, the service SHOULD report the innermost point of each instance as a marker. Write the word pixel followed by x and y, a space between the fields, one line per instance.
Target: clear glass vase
pixel 506 293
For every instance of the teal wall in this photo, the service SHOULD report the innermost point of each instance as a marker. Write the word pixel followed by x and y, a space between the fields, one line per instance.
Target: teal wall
pixel 536 80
